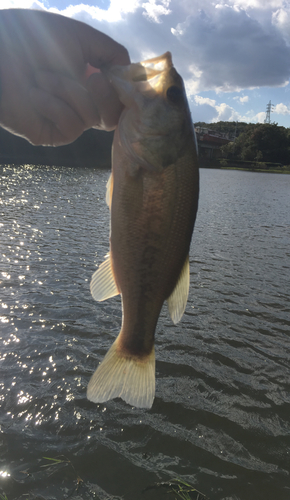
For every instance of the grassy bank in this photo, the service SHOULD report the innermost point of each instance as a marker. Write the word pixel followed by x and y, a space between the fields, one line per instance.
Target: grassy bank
pixel 282 170
pixel 254 166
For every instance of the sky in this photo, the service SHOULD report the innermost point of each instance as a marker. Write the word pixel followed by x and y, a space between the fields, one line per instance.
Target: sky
pixel 234 55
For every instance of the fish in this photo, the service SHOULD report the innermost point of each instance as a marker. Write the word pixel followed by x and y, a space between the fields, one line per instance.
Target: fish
pixel 153 195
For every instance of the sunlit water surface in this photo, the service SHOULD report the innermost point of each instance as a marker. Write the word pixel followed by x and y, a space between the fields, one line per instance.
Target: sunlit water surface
pixel 220 419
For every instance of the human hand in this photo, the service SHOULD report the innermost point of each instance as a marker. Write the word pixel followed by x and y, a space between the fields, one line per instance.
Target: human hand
pixel 46 94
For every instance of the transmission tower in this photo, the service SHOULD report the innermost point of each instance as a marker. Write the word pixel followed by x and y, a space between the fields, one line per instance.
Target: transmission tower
pixel 269 108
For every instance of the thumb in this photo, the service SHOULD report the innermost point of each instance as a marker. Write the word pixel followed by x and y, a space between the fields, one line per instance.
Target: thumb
pixel 105 99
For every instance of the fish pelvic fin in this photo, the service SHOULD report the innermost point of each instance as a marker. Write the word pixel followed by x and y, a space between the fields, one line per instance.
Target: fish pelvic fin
pixel 125 377
pixel 103 285
pixel 178 299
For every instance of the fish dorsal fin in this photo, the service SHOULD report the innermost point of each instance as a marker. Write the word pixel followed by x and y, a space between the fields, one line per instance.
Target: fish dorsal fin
pixel 177 300
pixel 109 192
pixel 103 285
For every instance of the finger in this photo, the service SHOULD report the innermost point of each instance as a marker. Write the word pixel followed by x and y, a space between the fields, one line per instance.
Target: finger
pixel 106 101
pixel 99 49
pixel 72 93
pixel 60 124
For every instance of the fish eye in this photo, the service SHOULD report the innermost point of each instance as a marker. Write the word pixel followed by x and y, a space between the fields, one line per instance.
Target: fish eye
pixel 174 94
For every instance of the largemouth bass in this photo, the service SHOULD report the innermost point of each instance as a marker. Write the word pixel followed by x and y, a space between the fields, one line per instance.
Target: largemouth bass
pixel 153 197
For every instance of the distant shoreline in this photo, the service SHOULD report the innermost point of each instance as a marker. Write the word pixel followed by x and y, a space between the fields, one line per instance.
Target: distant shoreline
pixel 107 166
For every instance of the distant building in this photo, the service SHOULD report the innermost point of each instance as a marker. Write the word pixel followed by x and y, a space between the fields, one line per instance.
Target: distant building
pixel 209 143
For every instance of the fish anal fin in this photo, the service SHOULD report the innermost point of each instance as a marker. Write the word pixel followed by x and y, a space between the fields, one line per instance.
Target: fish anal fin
pixel 178 299
pixel 103 285
pixel 125 377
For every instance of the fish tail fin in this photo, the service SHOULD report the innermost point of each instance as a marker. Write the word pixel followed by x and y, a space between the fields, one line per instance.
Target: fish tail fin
pixel 120 375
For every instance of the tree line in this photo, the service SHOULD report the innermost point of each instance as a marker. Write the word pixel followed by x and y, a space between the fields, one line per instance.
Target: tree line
pixel 91 149
pixel 261 142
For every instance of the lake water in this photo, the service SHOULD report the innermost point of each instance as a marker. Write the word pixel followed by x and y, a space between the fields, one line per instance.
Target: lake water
pixel 221 416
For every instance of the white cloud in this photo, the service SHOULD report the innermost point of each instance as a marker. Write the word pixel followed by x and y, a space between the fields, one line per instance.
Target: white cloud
pixel 259 117
pixel 116 12
pixel 153 11
pixel 232 50
pixel 281 20
pixel 219 45
pixel 220 112
pixel 258 4
pixel 192 83
pixel 281 109
pixel 227 113
pixel 209 111
pixel 24 4
pixel 242 99
pixel 204 100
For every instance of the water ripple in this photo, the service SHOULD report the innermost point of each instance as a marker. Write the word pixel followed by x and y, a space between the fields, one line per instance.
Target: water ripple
pixel 221 415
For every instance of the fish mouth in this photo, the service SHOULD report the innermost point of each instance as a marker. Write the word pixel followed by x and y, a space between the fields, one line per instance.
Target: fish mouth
pixel 153 67
pixel 145 79
pixel 160 63
pixel 150 76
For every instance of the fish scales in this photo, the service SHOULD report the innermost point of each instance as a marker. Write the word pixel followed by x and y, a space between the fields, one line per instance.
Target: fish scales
pixel 153 196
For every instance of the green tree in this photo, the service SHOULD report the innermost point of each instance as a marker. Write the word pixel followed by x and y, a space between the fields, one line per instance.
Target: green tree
pixel 267 142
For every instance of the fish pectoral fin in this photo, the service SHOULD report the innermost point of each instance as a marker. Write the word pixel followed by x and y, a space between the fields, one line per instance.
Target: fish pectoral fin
pixel 109 192
pixel 103 285
pixel 178 299
pixel 125 377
